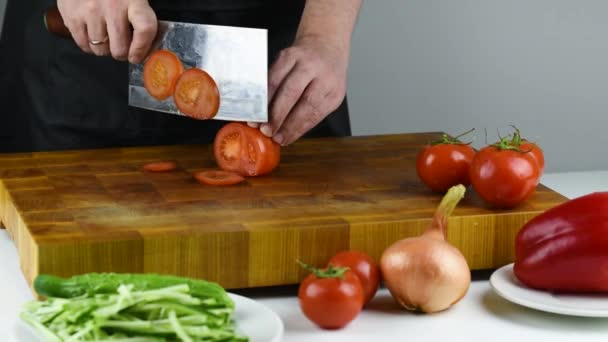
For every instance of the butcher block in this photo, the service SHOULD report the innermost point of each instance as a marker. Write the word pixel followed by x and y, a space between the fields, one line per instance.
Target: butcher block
pixel 72 212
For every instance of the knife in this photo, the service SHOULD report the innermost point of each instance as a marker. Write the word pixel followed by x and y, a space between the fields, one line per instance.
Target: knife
pixel 235 57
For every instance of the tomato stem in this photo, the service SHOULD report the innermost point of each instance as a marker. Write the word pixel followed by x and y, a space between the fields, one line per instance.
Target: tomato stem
pixel 330 272
pixel 512 144
pixel 516 136
pixel 446 139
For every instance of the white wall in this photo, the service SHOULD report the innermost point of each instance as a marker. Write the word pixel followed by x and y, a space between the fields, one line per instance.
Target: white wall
pixel 429 65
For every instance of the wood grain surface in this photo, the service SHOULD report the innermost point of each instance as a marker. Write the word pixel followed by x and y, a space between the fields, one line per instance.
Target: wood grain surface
pixel 72 212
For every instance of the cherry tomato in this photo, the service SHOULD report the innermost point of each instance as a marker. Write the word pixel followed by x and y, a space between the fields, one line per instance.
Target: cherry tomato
pixel 161 166
pixel 364 267
pixel 331 302
pixel 504 177
pixel 219 177
pixel 196 94
pixel 441 166
pixel 245 150
pixel 161 71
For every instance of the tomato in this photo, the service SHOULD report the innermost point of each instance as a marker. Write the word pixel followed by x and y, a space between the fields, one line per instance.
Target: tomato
pixel 504 177
pixel 196 94
pixel 245 150
pixel 364 267
pixel 442 166
pixel 218 177
pixel 161 166
pixel 536 152
pixel 331 298
pixel 161 72
pixel 529 147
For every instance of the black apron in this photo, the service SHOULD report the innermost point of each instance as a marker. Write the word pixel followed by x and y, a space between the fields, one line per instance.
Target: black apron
pixel 71 100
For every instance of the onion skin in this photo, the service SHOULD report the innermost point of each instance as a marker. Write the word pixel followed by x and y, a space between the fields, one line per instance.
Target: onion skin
pixel 426 273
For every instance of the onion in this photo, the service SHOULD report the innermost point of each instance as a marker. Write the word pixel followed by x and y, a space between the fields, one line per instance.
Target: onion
pixel 426 273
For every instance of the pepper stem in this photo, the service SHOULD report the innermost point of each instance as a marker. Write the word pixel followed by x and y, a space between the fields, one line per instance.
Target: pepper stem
pixel 330 272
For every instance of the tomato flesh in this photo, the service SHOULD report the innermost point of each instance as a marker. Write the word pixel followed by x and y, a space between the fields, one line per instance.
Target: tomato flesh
pixel 219 178
pixel 197 95
pixel 243 149
pixel 161 72
pixel 161 166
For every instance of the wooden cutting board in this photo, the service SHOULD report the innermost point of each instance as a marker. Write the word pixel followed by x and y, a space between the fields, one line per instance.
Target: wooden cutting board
pixel 95 210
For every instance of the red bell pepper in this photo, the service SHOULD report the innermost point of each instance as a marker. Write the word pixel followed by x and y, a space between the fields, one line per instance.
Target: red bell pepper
pixel 565 249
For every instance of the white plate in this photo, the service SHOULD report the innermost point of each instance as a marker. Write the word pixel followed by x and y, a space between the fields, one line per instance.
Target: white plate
pixel 252 319
pixel 506 284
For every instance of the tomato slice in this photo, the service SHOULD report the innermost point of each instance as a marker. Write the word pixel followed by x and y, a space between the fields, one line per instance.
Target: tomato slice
pixel 196 94
pixel 161 166
pixel 161 72
pixel 243 149
pixel 219 177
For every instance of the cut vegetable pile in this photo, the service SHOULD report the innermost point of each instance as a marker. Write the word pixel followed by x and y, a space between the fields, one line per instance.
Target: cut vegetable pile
pixel 130 307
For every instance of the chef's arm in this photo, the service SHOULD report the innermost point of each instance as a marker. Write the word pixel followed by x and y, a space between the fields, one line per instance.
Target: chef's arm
pixel 330 20
pixel 308 80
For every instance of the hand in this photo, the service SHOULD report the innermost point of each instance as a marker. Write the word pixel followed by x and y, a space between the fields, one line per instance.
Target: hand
pixel 305 84
pixel 98 20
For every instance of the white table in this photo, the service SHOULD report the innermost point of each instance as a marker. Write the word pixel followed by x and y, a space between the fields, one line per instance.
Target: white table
pixel 480 316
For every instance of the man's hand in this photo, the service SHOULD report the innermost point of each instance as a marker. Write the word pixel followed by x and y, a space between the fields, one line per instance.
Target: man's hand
pixel 110 21
pixel 308 80
pixel 306 83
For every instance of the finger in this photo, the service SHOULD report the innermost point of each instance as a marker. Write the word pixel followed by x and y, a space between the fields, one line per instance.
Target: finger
pixel 286 97
pixel 142 18
pixel 119 33
pixel 313 106
pixel 80 36
pixel 279 70
pixel 97 31
pixel 253 124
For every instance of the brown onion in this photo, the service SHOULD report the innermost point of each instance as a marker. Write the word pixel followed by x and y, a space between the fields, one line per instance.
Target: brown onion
pixel 426 273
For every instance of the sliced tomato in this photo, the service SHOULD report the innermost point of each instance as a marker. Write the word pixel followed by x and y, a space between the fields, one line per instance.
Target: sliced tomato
pixel 161 72
pixel 219 177
pixel 196 94
pixel 243 149
pixel 161 166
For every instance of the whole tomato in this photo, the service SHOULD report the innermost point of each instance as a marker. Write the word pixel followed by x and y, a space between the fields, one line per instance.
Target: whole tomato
pixel 364 267
pixel 331 297
pixel 529 147
pixel 504 175
pixel 444 164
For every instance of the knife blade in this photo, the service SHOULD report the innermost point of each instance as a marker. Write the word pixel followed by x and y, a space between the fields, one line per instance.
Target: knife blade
pixel 236 58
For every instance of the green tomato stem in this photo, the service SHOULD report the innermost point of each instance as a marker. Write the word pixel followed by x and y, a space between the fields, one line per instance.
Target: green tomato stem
pixel 446 139
pixel 330 272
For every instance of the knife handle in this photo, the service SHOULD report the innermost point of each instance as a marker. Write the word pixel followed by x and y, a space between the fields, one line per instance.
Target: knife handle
pixel 54 23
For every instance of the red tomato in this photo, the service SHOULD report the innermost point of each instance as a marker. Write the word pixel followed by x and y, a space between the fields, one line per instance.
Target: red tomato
pixel 196 94
pixel 364 267
pixel 243 149
pixel 331 302
pixel 536 152
pixel 442 166
pixel 161 71
pixel 161 166
pixel 219 177
pixel 529 147
pixel 503 177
